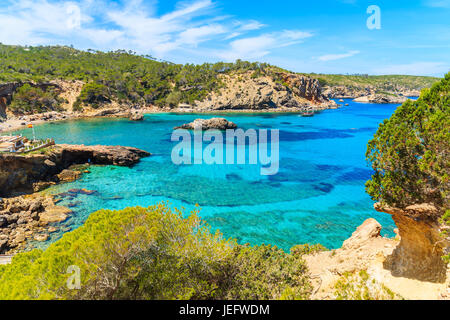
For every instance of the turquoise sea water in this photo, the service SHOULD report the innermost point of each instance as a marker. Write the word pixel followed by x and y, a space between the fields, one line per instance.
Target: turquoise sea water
pixel 317 197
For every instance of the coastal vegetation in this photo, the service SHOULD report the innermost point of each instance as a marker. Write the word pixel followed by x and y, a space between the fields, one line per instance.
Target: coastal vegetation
pixel 120 75
pixel 359 286
pixel 410 154
pixel 130 79
pixel 161 253
pixel 33 99
pixel 153 253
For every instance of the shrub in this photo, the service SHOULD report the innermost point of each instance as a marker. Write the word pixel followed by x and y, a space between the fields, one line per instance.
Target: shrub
pixel 29 99
pixel 94 94
pixel 410 152
pixel 359 286
pixel 306 249
pixel 153 253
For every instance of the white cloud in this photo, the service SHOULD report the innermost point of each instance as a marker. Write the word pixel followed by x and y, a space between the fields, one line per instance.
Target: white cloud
pixel 260 46
pixel 194 36
pixel 137 26
pixel 331 57
pixel 251 25
pixel 415 68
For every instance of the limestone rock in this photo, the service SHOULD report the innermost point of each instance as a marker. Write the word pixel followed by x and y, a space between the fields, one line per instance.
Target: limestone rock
pixel 246 92
pixel 3 221
pixel 136 116
pixel 41 237
pixel 421 247
pixel 381 99
pixel 54 214
pixel 49 163
pixel 115 155
pixel 69 175
pixel 366 232
pixel 208 124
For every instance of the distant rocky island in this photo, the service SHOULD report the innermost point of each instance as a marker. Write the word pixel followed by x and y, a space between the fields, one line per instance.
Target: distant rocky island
pixel 374 89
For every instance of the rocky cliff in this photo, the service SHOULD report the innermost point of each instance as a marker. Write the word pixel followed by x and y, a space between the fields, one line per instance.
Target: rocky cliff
pixel 246 92
pixel 419 253
pixel 27 173
pixel 369 266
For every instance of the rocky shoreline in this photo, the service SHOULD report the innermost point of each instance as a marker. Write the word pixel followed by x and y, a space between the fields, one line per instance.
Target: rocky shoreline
pixel 240 93
pixel 26 218
pixel 34 172
pixel 27 215
pixel 14 124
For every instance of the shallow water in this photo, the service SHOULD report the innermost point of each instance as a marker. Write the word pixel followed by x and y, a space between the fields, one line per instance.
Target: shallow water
pixel 317 197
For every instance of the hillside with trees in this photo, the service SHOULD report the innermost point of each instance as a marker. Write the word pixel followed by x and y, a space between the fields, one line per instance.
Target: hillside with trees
pixel 130 79
pixel 120 75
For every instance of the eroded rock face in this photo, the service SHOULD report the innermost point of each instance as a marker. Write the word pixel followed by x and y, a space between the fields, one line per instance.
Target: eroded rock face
pixel 304 87
pixel 208 124
pixel 26 173
pixel 69 175
pixel 244 92
pixel 419 254
pixel 364 234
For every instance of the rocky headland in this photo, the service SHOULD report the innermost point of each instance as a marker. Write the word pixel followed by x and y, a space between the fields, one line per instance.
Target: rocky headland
pixel 381 99
pixel 30 172
pixel 371 94
pixel 244 92
pixel 26 215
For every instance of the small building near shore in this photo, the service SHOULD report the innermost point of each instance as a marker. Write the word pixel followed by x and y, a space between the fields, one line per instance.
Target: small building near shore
pixel 11 143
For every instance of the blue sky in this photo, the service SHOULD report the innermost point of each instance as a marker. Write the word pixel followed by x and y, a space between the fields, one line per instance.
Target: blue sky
pixel 304 36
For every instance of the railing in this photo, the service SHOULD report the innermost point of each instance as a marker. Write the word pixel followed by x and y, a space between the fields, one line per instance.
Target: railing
pixel 40 145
